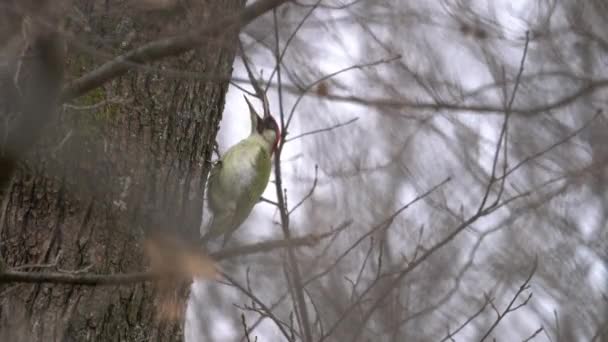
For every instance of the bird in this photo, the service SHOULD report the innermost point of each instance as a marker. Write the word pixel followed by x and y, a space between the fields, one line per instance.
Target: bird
pixel 236 182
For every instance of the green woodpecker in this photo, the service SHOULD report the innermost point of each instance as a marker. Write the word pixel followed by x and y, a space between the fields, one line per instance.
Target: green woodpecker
pixel 238 180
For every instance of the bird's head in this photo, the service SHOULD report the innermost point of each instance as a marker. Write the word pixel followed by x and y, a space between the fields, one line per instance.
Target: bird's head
pixel 265 126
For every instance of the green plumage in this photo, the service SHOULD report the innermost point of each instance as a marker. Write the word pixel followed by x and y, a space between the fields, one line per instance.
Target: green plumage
pixel 236 184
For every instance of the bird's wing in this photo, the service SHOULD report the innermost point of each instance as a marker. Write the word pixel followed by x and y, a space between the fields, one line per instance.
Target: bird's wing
pixel 207 213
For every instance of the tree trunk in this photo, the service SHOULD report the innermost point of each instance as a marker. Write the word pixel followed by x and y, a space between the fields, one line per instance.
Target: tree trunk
pixel 124 160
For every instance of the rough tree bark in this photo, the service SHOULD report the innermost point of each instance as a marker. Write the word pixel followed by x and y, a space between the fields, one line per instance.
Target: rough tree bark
pixel 127 158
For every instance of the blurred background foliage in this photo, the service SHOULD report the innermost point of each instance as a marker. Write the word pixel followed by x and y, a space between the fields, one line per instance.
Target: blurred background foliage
pixel 429 84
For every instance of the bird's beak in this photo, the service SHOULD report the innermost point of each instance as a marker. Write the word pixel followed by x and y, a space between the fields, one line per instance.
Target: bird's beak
pixel 266 106
pixel 253 115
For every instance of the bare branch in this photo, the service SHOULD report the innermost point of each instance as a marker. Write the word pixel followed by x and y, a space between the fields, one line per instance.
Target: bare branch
pixel 12 276
pixel 77 279
pixel 268 246
pixel 591 87
pixel 294 277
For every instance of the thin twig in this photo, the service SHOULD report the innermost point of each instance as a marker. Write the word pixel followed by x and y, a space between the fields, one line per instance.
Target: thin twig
pixel 503 132
pixel 322 130
pixel 310 192
pixel 287 43
pixel 333 74
pixel 363 264
pixel 538 331
pixel 552 146
pixel 266 200
pixel 267 312
pixel 450 335
pixel 252 80
pixel 245 327
pixel 510 308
